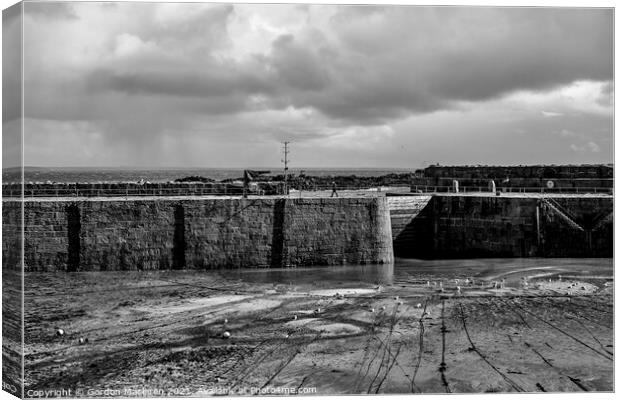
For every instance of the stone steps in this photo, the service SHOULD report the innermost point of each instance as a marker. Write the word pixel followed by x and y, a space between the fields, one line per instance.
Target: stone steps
pixel 569 218
pixel 407 202
pixel 403 209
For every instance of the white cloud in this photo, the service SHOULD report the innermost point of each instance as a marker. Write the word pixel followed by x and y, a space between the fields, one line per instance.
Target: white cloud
pixel 128 44
pixel 579 97
pixel 590 146
pixel 593 147
pixel 551 114
pixel 566 133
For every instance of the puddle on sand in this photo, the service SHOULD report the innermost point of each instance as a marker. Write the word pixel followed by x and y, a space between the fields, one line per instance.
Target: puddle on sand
pixel 356 277
pixel 331 279
pixel 327 328
pixel 343 291
pixel 193 304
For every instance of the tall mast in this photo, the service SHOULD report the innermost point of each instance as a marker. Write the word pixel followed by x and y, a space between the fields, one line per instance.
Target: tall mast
pixel 285 161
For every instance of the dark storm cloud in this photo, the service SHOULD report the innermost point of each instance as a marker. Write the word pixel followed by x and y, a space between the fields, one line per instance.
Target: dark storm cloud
pixel 539 50
pixel 368 63
pixel 11 63
pixel 408 60
pixel 606 97
pixel 50 10
pixel 140 71
pixel 299 65
pixel 188 82
pixel 11 87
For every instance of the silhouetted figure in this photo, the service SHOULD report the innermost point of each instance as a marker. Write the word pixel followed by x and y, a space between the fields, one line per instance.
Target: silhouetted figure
pixel 334 192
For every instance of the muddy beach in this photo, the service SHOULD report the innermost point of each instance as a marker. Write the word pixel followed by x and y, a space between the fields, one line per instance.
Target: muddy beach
pixel 459 326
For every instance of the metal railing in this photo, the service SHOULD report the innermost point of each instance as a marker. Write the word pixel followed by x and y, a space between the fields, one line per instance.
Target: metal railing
pixel 519 178
pixel 485 189
pixel 220 189
pixel 132 190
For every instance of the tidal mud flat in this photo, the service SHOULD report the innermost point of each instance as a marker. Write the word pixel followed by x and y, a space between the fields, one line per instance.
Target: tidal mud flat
pixel 445 327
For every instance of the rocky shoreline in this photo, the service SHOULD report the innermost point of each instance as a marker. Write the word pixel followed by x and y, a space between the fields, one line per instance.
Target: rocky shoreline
pixel 310 182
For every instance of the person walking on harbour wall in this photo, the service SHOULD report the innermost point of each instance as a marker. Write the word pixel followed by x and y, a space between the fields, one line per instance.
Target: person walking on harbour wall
pixel 334 192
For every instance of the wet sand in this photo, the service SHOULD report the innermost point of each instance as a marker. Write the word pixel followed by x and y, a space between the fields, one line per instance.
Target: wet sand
pixel 517 327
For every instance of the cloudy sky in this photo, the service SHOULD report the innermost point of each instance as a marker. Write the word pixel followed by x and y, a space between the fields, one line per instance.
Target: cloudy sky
pixel 221 85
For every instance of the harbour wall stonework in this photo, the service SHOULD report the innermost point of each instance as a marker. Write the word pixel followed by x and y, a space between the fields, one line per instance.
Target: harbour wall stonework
pixel 154 234
pixel 12 235
pixel 453 226
pixel 120 189
pixel 85 234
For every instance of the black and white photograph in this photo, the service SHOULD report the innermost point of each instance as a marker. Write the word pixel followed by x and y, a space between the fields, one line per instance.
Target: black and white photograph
pixel 234 199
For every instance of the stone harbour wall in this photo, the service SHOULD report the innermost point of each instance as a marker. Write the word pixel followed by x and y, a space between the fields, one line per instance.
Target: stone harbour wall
pixel 11 235
pixel 483 227
pixel 517 185
pixel 532 178
pixel 521 171
pixel 152 234
pixel 86 234
pixel 452 226
pixel 577 227
pixel 77 190
pixel 410 217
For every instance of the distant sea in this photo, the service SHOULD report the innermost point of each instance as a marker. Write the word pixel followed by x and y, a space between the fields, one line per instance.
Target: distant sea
pixel 88 174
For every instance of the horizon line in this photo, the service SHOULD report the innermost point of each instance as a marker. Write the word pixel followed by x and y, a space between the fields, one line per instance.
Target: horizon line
pixel 303 167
